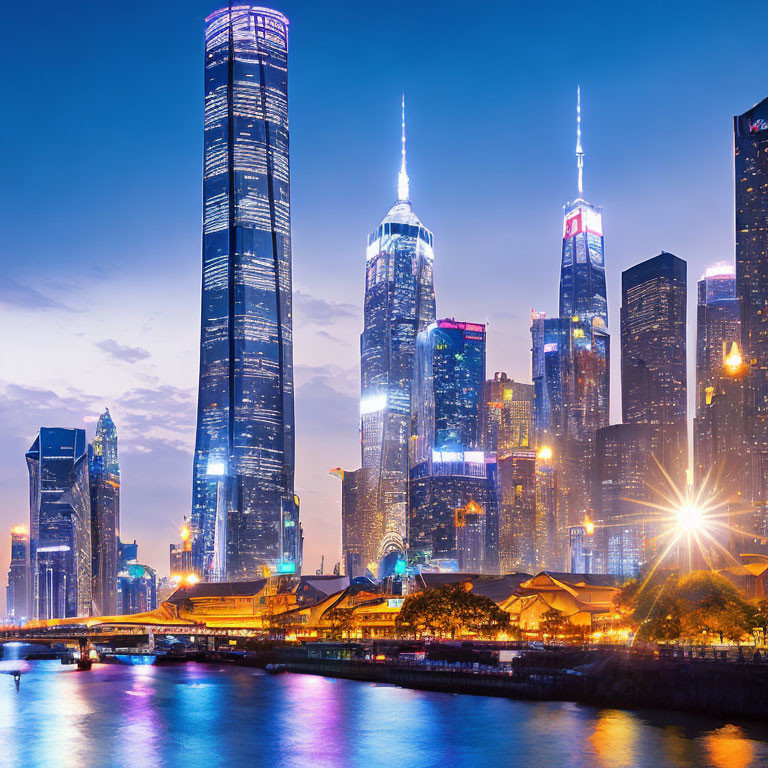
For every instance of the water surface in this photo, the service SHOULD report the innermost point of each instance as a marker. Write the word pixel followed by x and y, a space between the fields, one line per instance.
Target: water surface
pixel 199 716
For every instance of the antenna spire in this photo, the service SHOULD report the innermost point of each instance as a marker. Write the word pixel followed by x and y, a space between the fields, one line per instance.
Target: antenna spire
pixel 579 150
pixel 403 192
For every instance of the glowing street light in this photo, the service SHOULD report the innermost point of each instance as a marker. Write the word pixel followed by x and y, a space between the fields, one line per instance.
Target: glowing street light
pixel 545 453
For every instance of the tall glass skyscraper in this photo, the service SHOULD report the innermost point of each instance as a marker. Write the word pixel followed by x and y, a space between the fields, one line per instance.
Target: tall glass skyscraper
pixel 59 524
pixel 244 452
pixel 104 482
pixel 750 141
pixel 399 303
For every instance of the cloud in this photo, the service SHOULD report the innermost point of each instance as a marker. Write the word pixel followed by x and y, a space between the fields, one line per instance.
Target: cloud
pixel 346 381
pixel 310 309
pixel 331 337
pixel 15 294
pixel 120 352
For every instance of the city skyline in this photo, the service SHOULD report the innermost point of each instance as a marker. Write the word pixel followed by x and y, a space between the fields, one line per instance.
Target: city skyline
pixel 330 308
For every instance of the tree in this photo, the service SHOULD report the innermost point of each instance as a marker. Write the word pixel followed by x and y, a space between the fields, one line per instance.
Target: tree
pixel 342 620
pixel 691 607
pixel 448 610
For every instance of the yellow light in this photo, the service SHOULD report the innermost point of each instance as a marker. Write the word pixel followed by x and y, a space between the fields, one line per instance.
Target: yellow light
pixel 689 517
pixel 733 361
pixel 184 533
pixel 191 579
pixel 544 453
pixel 589 527
pixel 19 530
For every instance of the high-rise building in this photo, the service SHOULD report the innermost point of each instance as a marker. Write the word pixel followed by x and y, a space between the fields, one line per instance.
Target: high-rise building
pixel 549 530
pixel 136 582
pixel 719 428
pixel 653 341
pixel 180 555
pixel 244 451
pixel 362 528
pixel 627 475
pixel 399 304
pixel 750 141
pixel 507 414
pixel 571 358
pixel 60 524
pixel 517 515
pixel 104 481
pixel 17 594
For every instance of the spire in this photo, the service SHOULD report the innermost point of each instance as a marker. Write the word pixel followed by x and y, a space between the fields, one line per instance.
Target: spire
pixel 579 150
pixel 403 194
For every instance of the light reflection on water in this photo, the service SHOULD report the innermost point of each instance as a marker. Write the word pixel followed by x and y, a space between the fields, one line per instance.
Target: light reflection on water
pixel 199 716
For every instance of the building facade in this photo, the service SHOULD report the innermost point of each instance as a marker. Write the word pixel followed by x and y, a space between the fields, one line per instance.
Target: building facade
pixel 507 415
pixel 399 304
pixel 517 515
pixel 60 524
pixel 244 450
pixel 653 341
pixel 104 483
pixel 362 525
pixel 750 134
pixel 17 594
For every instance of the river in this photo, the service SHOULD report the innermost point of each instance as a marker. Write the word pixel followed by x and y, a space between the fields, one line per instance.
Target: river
pixel 200 716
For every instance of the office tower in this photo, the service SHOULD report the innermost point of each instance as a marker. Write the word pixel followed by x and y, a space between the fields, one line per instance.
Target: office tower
pixel 362 528
pixel 718 328
pixel 104 481
pixel 17 594
pixel 448 388
pixel 653 361
pixel 750 140
pixel 626 475
pixel 507 414
pixel 541 413
pixel 549 528
pixel 60 524
pixel 448 469
pixel 582 547
pixel 571 357
pixel 447 482
pixel 517 515
pixel 399 304
pixel 244 450
pixel 469 522
pixel 136 582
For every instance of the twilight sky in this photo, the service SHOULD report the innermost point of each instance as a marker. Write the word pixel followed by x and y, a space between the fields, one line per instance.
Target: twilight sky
pixel 101 201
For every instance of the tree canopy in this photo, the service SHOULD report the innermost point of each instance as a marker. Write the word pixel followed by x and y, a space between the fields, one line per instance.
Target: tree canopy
pixel 450 610
pixel 690 607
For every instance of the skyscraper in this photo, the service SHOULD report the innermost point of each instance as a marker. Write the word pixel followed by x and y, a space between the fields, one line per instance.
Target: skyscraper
pixel 244 451
pixel 104 482
pixel 718 328
pixel 517 516
pixel 750 141
pixel 448 469
pixel 507 414
pixel 362 530
pixel 576 356
pixel 60 524
pixel 17 594
pixel 653 325
pixel 399 304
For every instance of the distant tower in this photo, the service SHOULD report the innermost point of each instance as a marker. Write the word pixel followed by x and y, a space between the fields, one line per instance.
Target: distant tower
pixel 60 524
pixel 17 602
pixel 399 303
pixel 243 498
pixel 104 482
pixel 578 356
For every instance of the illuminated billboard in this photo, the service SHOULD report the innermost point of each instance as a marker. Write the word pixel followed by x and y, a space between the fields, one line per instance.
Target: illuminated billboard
pixel 582 218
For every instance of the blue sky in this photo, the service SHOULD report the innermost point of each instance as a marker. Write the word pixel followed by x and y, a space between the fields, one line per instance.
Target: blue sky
pixel 101 200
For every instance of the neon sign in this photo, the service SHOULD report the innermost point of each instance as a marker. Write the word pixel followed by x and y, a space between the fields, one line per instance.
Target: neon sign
pixel 757 125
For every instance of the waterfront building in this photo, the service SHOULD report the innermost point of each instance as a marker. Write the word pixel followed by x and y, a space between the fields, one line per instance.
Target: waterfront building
pixel 507 415
pixel 104 483
pixel 244 451
pixel 750 141
pixel 399 304
pixel 17 594
pixel 60 524
pixel 518 512
pixel 136 582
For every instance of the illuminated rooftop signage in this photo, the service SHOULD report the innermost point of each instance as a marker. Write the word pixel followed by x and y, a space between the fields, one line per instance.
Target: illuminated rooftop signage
pixel 582 219
pixel 755 126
